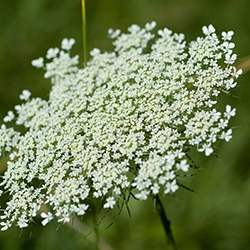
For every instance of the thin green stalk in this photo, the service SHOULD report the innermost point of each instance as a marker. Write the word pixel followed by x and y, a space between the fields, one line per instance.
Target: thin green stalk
pixel 96 227
pixel 165 222
pixel 84 33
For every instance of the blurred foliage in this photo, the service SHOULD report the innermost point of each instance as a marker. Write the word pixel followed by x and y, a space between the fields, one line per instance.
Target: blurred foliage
pixel 217 215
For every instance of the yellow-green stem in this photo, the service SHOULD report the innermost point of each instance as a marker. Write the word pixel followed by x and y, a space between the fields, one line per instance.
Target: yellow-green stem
pixel 84 33
pixel 96 227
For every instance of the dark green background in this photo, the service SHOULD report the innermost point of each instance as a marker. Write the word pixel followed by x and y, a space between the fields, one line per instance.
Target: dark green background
pixel 217 215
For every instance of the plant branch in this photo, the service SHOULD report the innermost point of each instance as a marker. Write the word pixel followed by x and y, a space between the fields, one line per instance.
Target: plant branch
pixel 96 227
pixel 81 228
pixel 165 222
pixel 84 33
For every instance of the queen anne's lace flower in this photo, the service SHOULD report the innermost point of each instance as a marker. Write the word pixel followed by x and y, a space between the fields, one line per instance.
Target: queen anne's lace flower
pixel 123 123
pixel 67 44
pixel 38 63
pixel 9 117
pixel 25 95
pixel 52 53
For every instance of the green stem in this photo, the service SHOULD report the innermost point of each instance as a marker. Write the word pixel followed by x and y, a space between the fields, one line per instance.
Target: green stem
pixel 96 228
pixel 165 222
pixel 84 33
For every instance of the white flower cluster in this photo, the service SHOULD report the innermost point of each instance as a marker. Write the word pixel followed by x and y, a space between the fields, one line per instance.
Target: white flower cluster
pixel 124 122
